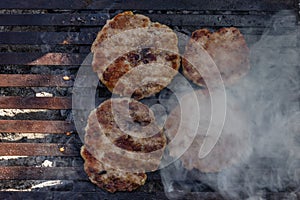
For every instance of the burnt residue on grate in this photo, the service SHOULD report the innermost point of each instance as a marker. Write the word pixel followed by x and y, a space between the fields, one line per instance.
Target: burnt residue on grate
pixel 49 40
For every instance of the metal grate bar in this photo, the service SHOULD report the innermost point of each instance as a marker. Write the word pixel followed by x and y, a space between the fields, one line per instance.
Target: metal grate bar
pixel 37 149
pixel 34 80
pixel 42 173
pixel 87 195
pixel 249 20
pixel 75 38
pixel 137 195
pixel 22 58
pixel 35 126
pixel 48 38
pixel 51 103
pixel 267 5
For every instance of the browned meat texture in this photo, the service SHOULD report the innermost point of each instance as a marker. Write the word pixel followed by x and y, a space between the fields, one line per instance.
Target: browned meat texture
pixel 123 140
pixel 128 41
pixel 227 49
pixel 119 124
pixel 108 178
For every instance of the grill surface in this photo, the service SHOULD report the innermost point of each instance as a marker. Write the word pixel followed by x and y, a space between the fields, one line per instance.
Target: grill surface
pixel 43 41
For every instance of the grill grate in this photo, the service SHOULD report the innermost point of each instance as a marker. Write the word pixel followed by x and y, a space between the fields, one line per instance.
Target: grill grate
pixel 52 45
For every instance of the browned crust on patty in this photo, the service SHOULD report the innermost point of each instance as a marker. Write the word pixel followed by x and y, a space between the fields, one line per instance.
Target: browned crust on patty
pixel 121 22
pixel 156 43
pixel 108 178
pixel 104 149
pixel 123 157
pixel 132 59
pixel 227 48
pixel 111 116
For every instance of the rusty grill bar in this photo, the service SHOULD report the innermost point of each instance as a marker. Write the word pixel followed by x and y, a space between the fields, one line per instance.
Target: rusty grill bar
pixel 68 28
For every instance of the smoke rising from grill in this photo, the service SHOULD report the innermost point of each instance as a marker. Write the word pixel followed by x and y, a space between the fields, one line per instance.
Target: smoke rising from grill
pixel 269 97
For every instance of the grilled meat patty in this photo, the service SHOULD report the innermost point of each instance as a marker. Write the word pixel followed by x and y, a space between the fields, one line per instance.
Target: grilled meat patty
pixel 227 49
pixel 129 41
pixel 122 138
pixel 231 147
pixel 109 178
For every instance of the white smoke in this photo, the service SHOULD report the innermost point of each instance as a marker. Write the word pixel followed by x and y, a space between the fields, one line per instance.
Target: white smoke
pixel 269 96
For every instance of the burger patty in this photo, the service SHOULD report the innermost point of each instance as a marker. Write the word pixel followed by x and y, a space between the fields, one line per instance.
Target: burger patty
pixel 129 41
pixel 231 147
pixel 108 178
pixel 227 49
pixel 122 138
